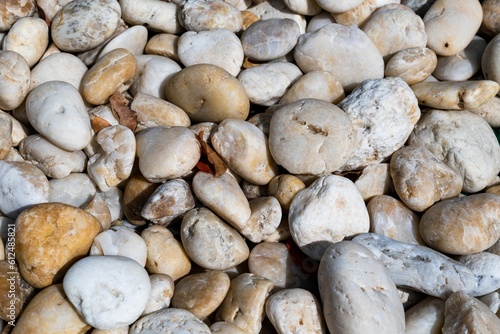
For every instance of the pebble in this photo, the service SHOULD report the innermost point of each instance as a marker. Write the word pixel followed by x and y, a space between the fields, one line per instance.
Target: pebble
pixel 169 320
pixel 22 185
pixel 82 25
pixel 295 311
pixel 202 92
pixel 12 10
pixel 162 290
pixel 156 15
pixel 303 7
pixel 349 54
pixel 489 62
pixel 49 238
pixel 374 180
pixel 5 135
pixel 211 243
pixel 107 291
pixel 201 294
pixel 485 265
pixel 153 74
pixel 320 20
pixel 224 327
pixel 136 193
pixel 264 219
pixel 489 111
pixel 384 113
pixel 341 6
pixel 490 24
pixel 277 9
pixel 413 65
pixel 326 212
pixel 14 79
pixel 463 141
pixel 321 85
pixel 199 15
pixel 462 225
pixel 163 45
pixel 15 292
pixel 133 39
pixel 463 18
pixel 76 189
pixel 98 208
pixel 284 187
pixel 153 111
pixel 425 317
pixel 345 298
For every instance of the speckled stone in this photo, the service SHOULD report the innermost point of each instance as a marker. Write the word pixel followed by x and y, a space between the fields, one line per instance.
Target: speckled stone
pixel 12 10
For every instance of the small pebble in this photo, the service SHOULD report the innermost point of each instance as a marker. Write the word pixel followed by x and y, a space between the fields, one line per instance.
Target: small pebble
pixel 169 320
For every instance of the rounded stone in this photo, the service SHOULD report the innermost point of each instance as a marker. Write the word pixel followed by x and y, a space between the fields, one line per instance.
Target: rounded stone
pixel 490 61
pixel 133 39
pixel 156 15
pixel 303 7
pixel 50 238
pixel 15 292
pixel 319 21
pixel 14 79
pixel 12 10
pixel 76 189
pixel 6 142
pixel 464 225
pixel 284 187
pixel 82 25
pixel 339 6
pixel 169 320
pixel 162 290
pixel 163 45
pixel 108 291
pixel 153 74
pixel 198 15
pixel 277 9
pixel 208 93
pixel 153 111
pixel 491 15
pixel 413 65
pixel 264 220
pixel 321 85
pixel 224 327
pixel 311 137
pixel 427 315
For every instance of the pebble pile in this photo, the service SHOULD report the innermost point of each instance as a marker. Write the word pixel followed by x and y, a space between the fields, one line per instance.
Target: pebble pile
pixel 249 166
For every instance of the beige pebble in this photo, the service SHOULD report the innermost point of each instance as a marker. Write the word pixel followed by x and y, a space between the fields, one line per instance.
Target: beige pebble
pixel 462 225
pixel 153 111
pixel 133 39
pixel 356 16
pixel 464 313
pixel 50 159
pixel 284 187
pixel 162 290
pixel 421 179
pixel 264 220
pixel 19 130
pixel 113 199
pixel 136 193
pixel 295 311
pixel 15 292
pixel 339 6
pixel 489 111
pixel 159 162
pixel 98 208
pixel 199 15
pixel 393 219
pixel 489 61
pixel 121 330
pixel 169 320
pixel 492 300
pixel 413 65
pixel 14 79
pixel 245 302
pixel 451 25
pixel 493 190
pixel 29 37
pixel 12 10
pixel 120 241
pixel 157 15
pixel 50 311
pixel 165 254
pixel 374 180
pixel 51 7
pixel 491 13
pixel 163 45
pixel 277 9
pixel 282 233
pixel 211 243
pixel 321 85
pixel 320 20
pixel 116 68
pixel 224 327
pixel 50 237
pixel 76 189
pixel 425 317
pixel 202 91
pixel 253 191
pixel 5 135
pixel 201 294
pixel 153 74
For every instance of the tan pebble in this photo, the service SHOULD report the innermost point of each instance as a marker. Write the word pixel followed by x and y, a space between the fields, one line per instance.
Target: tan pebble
pixel 5 135
pixel 261 121
pixel 121 330
pixel 491 15
pixel 162 290
pixel 264 220
pixel 393 219
pixel 284 187
pixel 489 111
pixel 98 208
pixel 253 191
pixel 14 79
pixel 492 300
pixel 51 7
pixel 29 37
pixel 50 311
pixel 170 320
pixel 19 130
pixel 282 233
pixel 163 45
pixel 245 302
pixel 493 190
pixel 157 15
pixel 165 254
pixel 198 15
pixel 248 19
pixel 490 61
pixel 50 237
pixel 136 193
pixel 107 75
pixel 15 292
pixel 374 180
pixel 303 7
pixel 321 85
pixel 340 6
pixel 356 16
pixel 201 294
pixel 426 316
pixel 462 225
pixel 413 65
pixel 224 327
pixel 12 10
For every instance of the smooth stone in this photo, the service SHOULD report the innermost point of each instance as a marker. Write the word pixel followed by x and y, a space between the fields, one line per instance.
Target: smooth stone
pixel 266 84
pixel 384 113
pixel 115 157
pixel 201 294
pixel 14 79
pixel 208 93
pixel 153 74
pixel 162 290
pixel 303 7
pixel 463 313
pixel 486 266
pixel 120 241
pixel 462 225
pixel 50 311
pixel 413 65
pixel 136 193
pixel 82 25
pixel 18 131
pixel 319 21
pixel 339 6
pixel 224 196
pixel 163 45
pixel 29 37
pixel 311 137
pixel 391 218
pixel 349 304
pixel 425 317
pixel 492 300
pixel 109 73
pixel 489 62
pixel 50 238
pixel 203 48
pixel 15 292
pixel 245 150
pixel 463 141
pixel 326 212
pixel 248 19
pixel 395 29
pixel 133 39
pixel 165 254
pixel 284 187
pixel 321 85
pixel 489 111
pixel 463 65
pixel 211 243
pixel 120 330
pixel 264 220
pixel 374 180
pixel 169 201
pixel 22 185
pixel 108 291
pixel 159 162
pixel 241 4
pixel 341 55
pixel 98 208
pixel 57 111
pixel 169 320
pixel 356 16
pixel 490 21
pixel 199 15
pixel 295 311
pixel 419 267
pixel 153 111
pixel 50 159
pixel 224 327
pixel 5 135
pixel 12 10
pixel 420 179
pixel 156 15
pixel 270 39
pixel 455 95
pixel 450 25
pixel 113 199
pixel 277 9
pixel 420 7
pixel 245 301
pixel 76 189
